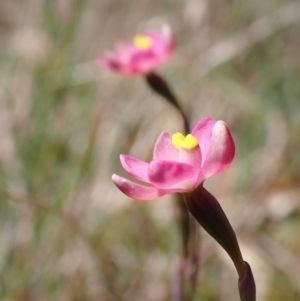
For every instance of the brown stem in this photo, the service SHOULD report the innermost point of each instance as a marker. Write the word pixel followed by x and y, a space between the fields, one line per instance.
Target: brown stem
pixel 161 87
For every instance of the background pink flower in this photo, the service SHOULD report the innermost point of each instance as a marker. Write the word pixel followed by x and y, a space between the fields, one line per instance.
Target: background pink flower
pixel 143 55
pixel 180 164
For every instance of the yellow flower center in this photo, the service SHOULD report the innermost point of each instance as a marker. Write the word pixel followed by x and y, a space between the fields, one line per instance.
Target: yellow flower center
pixel 142 41
pixel 188 142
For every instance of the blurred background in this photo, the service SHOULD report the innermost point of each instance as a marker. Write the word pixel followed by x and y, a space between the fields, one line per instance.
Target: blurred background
pixel 66 232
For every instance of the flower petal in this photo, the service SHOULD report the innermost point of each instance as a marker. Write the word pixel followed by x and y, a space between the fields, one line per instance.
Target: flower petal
pixel 202 131
pixel 136 168
pixel 107 62
pixel 222 150
pixel 137 191
pixel 169 38
pixel 190 156
pixel 173 175
pixel 143 61
pixel 111 62
pixel 164 149
pixel 163 44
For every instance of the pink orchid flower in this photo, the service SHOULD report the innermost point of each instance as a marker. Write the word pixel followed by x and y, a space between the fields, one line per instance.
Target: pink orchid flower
pixel 180 164
pixel 143 55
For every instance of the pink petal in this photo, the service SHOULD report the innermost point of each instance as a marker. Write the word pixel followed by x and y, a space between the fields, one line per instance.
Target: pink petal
pixel 137 191
pixel 135 60
pixel 158 44
pixel 124 46
pixel 221 152
pixel 164 149
pixel 163 44
pixel 136 168
pixel 169 38
pixel 172 175
pixel 108 62
pixel 190 156
pixel 120 59
pixel 203 131
pixel 144 61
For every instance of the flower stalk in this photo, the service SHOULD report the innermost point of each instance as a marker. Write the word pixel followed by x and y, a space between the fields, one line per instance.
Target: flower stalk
pixel 161 87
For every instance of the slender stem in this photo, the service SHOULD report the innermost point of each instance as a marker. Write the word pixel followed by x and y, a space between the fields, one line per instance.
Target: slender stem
pixel 161 87
pixel 187 223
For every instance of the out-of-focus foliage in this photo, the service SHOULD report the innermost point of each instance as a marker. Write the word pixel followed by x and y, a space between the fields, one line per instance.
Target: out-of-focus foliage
pixel 66 232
